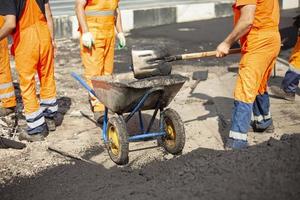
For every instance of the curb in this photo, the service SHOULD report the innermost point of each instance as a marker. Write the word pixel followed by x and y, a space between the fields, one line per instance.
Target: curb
pixel 67 26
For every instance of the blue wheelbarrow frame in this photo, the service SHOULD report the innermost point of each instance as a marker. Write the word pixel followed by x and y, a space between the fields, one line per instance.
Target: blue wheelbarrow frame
pixel 145 133
pixel 134 97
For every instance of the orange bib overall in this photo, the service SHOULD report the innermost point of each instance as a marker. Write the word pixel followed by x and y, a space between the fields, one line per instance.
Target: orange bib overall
pixel 260 48
pixel 34 54
pixel 99 61
pixel 7 92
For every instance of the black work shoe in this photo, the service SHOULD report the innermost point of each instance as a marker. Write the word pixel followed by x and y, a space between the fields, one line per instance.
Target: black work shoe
pixel 99 117
pixel 51 124
pixel 6 111
pixel 256 129
pixel 279 92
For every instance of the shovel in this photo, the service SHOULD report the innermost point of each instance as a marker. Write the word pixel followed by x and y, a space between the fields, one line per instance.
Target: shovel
pixel 147 63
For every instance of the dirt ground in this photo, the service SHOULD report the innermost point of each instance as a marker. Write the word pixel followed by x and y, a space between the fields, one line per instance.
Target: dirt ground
pixel 268 169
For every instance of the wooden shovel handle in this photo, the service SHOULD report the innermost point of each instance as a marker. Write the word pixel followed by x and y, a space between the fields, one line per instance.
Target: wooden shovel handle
pixel 206 54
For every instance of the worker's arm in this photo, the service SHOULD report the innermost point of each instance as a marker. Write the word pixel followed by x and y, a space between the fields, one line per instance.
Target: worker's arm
pixel 8 26
pixel 119 28
pixel 50 24
pixel 79 9
pixel 87 38
pixel 242 27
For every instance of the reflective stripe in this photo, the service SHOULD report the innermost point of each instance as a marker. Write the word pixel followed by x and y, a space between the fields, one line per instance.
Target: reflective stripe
pixel 100 12
pixel 48 101
pixel 34 114
pixel 237 135
pixel 6 85
pixel 266 117
pixel 49 104
pixel 53 108
pixel 36 123
pixel 7 95
pixel 260 118
pixel 294 69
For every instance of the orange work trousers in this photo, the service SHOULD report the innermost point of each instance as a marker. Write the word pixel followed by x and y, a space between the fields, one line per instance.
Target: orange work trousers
pixel 259 53
pixel 35 55
pixel 99 60
pixel 7 92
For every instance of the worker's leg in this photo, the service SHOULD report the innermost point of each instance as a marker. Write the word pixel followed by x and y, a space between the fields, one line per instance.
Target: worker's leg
pixel 45 70
pixel 7 93
pixel 93 61
pixel 248 82
pixel 291 80
pixel 261 106
pixel 255 67
pixel 27 58
pixel 109 54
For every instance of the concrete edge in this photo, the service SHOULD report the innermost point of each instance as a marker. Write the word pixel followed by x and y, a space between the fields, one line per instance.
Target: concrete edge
pixel 67 26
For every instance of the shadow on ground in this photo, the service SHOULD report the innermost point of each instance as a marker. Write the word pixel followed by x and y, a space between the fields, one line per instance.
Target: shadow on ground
pixel 266 171
pixel 220 107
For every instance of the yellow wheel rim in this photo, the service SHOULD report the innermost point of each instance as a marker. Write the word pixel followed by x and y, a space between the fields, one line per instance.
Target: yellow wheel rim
pixel 114 140
pixel 171 133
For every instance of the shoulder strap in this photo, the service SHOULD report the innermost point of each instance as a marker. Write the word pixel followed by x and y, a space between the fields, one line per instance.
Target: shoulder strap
pixel 20 7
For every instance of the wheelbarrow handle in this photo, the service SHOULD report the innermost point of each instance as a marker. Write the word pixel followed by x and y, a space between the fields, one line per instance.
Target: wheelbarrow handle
pixel 83 83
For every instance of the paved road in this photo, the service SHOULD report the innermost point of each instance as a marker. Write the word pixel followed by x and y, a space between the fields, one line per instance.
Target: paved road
pixel 200 36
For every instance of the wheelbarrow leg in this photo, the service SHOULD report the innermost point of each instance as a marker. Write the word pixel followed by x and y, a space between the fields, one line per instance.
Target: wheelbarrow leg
pixel 105 125
pixel 141 122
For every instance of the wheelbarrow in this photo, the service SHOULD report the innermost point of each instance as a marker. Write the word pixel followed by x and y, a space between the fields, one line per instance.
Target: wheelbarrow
pixel 124 98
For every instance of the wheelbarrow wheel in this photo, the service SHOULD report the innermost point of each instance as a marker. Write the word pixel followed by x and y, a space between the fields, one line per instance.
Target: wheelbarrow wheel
pixel 174 141
pixel 118 147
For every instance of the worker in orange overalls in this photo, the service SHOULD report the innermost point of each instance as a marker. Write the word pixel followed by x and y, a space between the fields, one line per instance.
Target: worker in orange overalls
pixel 34 54
pixel 256 25
pixel 98 21
pixel 7 92
pixel 291 79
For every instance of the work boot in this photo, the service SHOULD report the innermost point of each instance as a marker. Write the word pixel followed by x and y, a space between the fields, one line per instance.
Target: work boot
pixel 38 134
pixel 51 123
pixel 6 111
pixel 269 129
pixel 279 92
pixel 99 116
pixel 232 144
pixel 254 127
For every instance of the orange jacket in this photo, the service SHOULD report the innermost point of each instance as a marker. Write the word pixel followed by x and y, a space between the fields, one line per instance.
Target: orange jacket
pixel 266 15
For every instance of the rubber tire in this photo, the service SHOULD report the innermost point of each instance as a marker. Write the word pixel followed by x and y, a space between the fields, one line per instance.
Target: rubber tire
pixel 178 126
pixel 120 126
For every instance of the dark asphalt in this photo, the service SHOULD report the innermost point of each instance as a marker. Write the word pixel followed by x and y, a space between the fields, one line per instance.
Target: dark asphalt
pixel 198 36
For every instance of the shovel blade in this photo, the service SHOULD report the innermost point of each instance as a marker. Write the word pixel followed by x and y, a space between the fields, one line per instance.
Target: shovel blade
pixel 143 65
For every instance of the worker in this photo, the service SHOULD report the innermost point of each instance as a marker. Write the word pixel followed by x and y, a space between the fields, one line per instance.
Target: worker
pixel 7 92
pixel 256 25
pixel 33 49
pixel 98 21
pixel 290 81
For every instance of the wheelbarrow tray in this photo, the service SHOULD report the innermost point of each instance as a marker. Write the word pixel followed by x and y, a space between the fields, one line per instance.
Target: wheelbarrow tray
pixel 121 93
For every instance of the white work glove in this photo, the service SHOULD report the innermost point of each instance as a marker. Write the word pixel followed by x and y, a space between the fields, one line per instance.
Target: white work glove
pixel 87 39
pixel 122 40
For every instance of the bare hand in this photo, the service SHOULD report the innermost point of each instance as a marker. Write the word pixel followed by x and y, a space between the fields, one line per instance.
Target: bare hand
pixel 54 47
pixel 222 50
